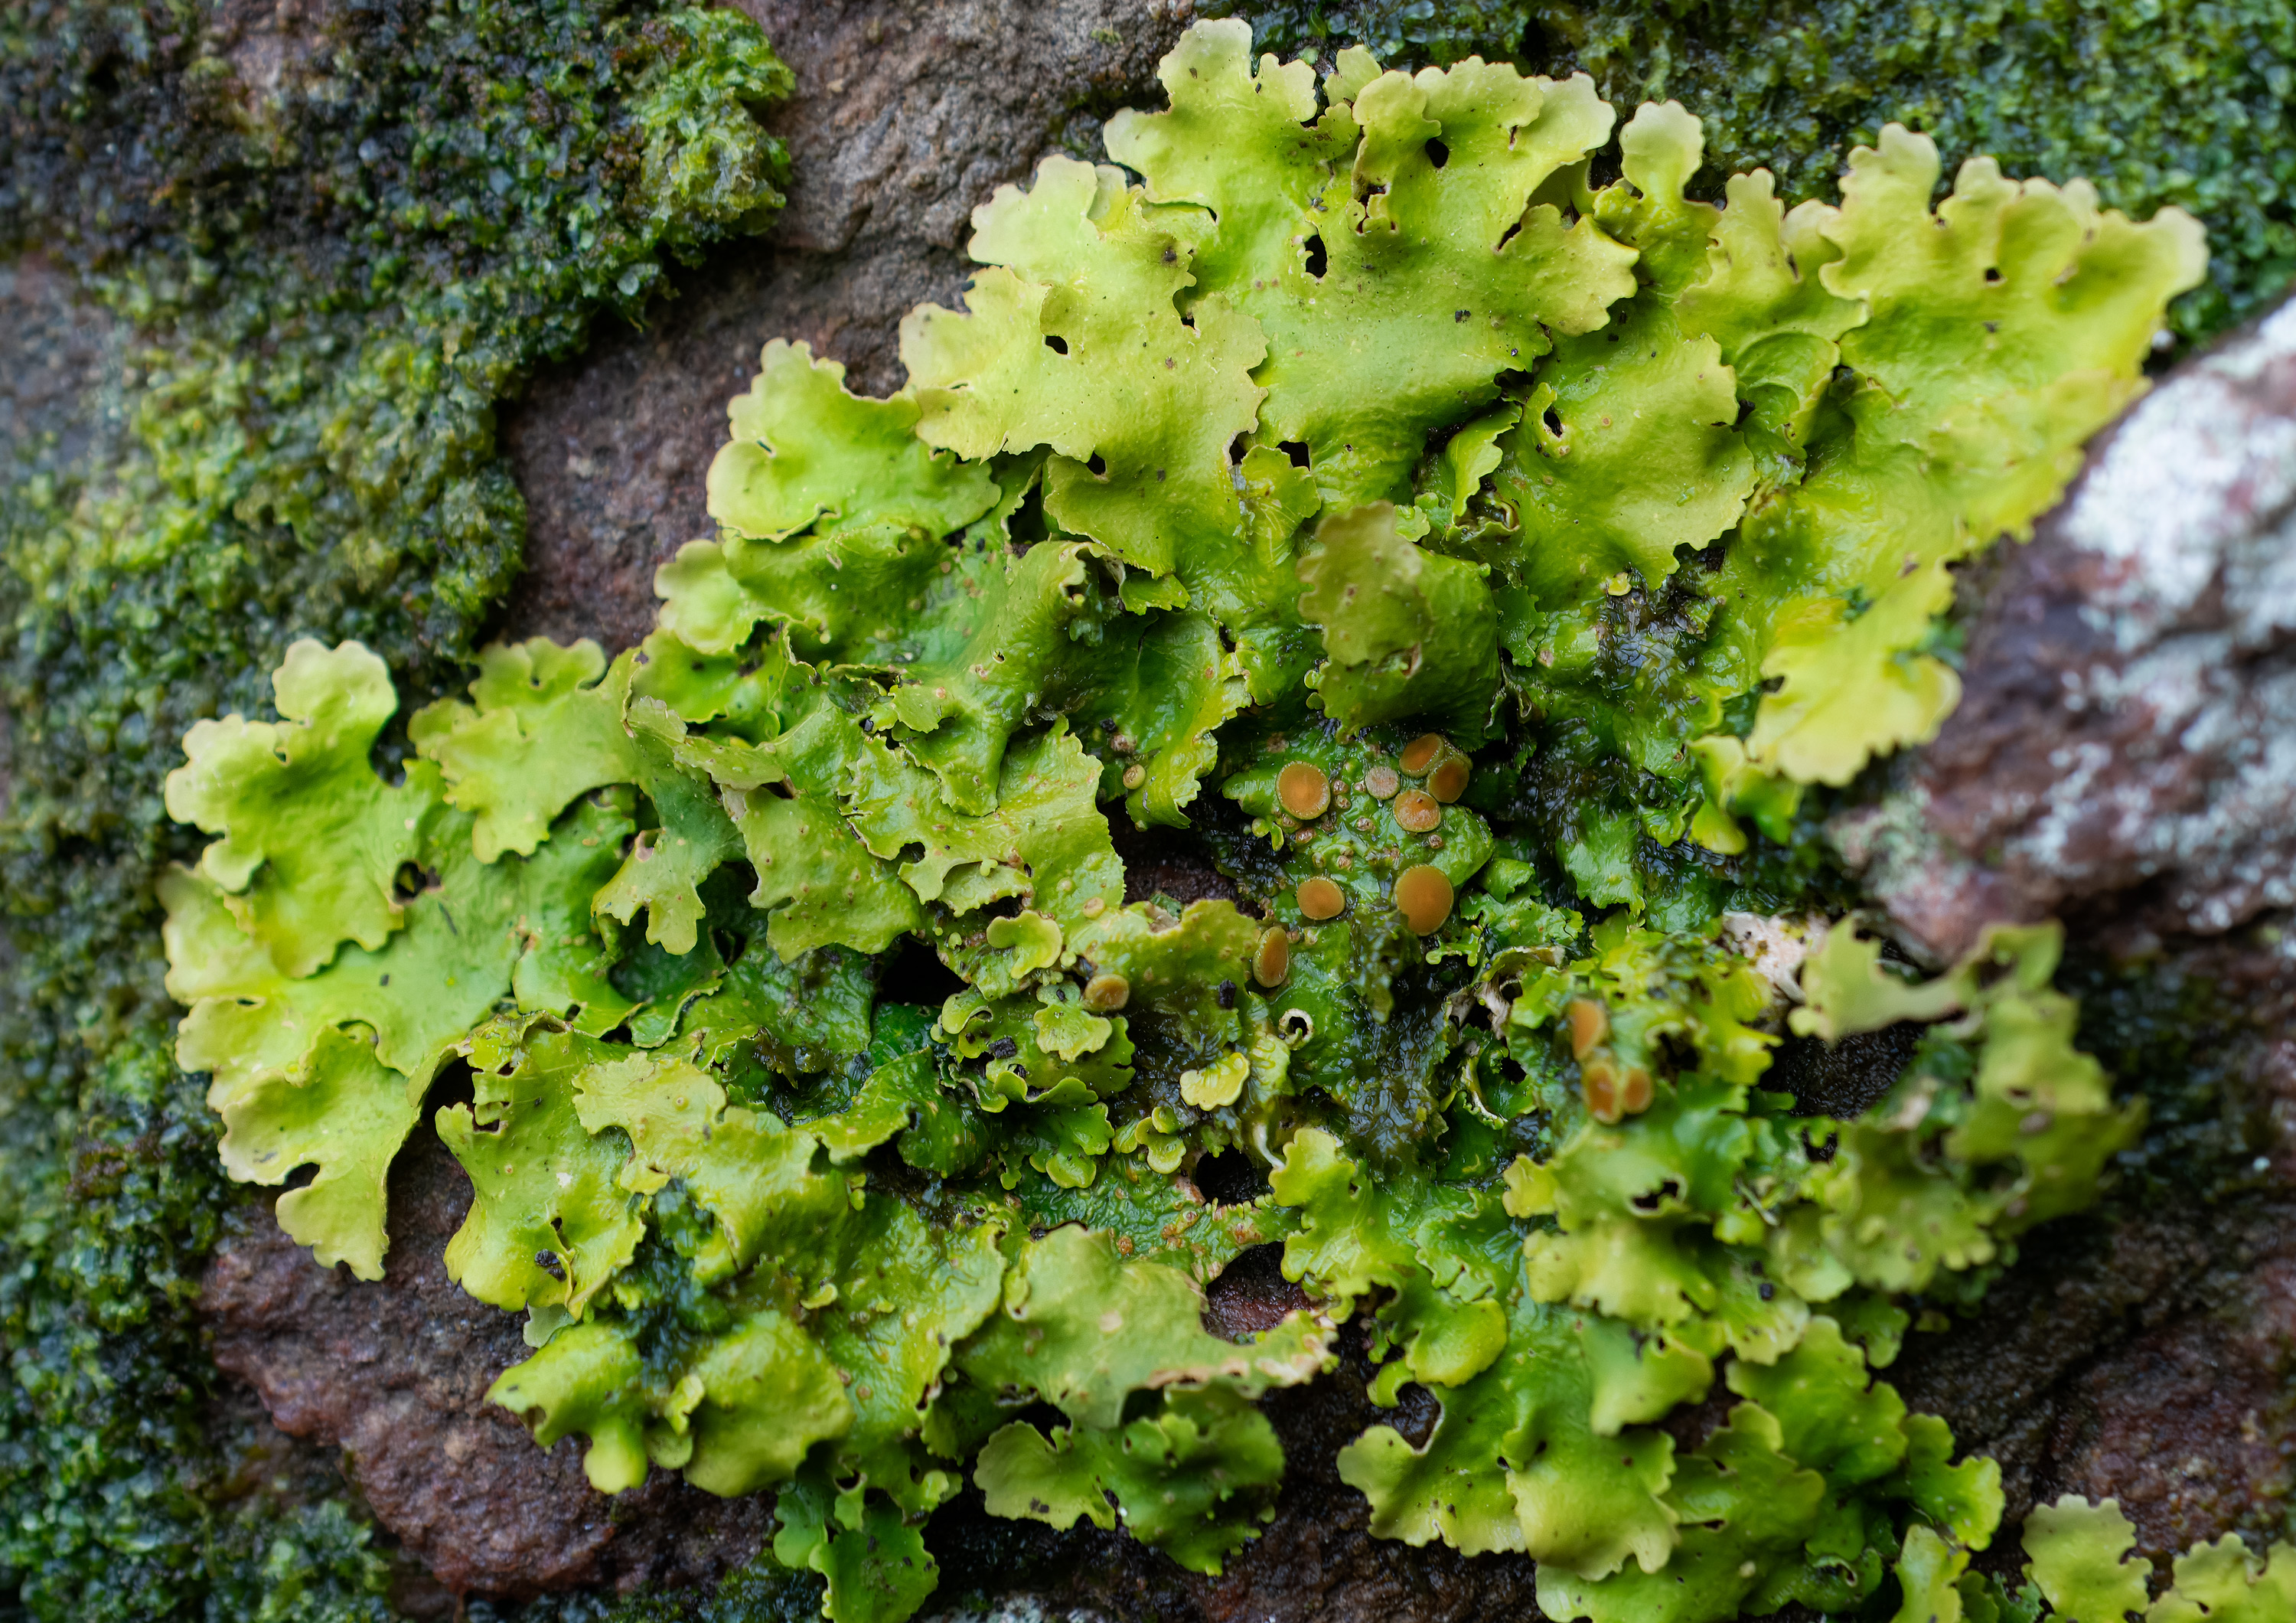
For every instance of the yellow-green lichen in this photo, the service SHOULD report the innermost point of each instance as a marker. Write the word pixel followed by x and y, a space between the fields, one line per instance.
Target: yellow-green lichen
pixel 1327 464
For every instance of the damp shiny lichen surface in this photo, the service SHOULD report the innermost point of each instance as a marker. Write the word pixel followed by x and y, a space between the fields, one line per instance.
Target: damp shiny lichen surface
pixel 1491 570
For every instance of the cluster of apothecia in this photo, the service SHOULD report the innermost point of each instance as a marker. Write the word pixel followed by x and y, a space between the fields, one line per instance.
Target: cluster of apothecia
pixel 1429 773
pixel 1612 1091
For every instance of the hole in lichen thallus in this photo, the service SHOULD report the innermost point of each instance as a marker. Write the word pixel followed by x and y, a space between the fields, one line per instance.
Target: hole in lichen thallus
pixel 1057 344
pixel 915 974
pixel 1028 524
pixel 1438 153
pixel 1650 1200
pixel 1098 464
pixel 1416 1411
pixel 1251 1296
pixel 1229 1178
pixel 1844 1078
pixel 1298 451
pixel 1316 259
pixel 1552 419
pixel 453 1085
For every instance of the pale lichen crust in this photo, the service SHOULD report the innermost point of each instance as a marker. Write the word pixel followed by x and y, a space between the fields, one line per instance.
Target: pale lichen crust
pixel 1496 547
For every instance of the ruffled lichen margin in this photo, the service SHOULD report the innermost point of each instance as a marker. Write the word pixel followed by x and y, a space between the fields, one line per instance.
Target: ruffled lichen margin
pixel 2184 102
pixel 1521 559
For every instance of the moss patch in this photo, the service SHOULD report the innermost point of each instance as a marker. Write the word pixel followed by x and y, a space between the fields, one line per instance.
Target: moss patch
pixel 328 247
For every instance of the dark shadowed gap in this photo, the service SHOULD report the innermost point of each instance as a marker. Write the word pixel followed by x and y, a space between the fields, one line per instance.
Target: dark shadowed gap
pixel 1843 1079
pixel 915 974
pixel 1230 1178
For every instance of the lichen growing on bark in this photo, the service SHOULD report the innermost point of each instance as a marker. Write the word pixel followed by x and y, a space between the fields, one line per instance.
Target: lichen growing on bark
pixel 1320 466
pixel 2185 103
pixel 118 1503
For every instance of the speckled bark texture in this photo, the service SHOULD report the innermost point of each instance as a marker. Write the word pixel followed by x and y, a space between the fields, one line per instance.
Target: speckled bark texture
pixel 2127 728
pixel 2147 1360
pixel 396 1376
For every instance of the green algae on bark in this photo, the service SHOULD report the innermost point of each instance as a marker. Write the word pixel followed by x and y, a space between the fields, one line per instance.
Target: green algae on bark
pixel 319 282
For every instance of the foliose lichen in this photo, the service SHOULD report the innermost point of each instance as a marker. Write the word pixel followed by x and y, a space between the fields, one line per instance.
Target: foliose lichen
pixel 2080 1570
pixel 2184 102
pixel 1495 566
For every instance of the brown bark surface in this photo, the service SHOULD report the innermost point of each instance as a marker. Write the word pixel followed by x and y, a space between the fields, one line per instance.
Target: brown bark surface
pixel 394 1375
pixel 2146 1360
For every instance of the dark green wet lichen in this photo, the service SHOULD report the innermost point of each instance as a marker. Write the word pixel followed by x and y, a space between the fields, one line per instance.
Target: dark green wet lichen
pixel 314 294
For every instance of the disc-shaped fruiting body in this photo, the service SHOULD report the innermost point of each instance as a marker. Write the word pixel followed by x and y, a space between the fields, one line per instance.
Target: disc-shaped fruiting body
pixel 1613 1092
pixel 1304 790
pixel 1420 754
pixel 1590 1022
pixel 1319 898
pixel 1271 962
pixel 1415 811
pixel 1422 895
